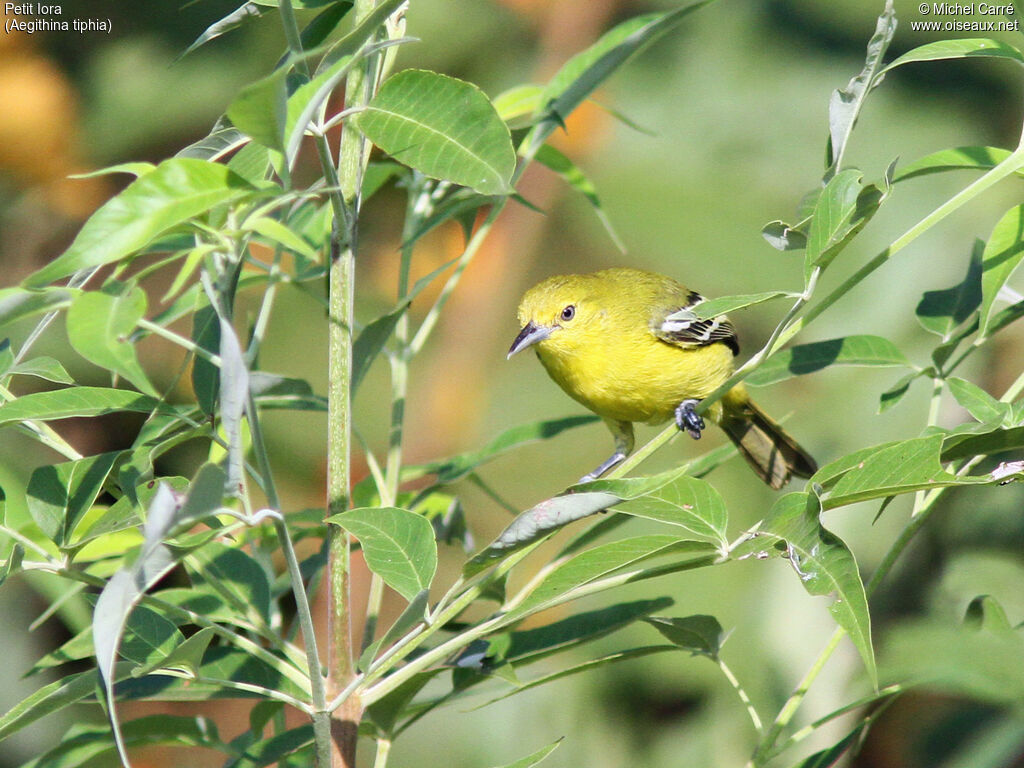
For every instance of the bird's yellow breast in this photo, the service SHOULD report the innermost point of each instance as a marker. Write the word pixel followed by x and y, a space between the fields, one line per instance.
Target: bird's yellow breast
pixel 628 374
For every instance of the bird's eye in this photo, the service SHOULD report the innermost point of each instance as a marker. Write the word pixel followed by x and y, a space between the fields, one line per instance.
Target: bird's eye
pixel 569 312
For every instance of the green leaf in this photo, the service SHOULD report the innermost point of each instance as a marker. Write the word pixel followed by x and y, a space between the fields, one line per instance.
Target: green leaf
pixel 587 666
pixel 261 109
pixel 223 666
pixel 941 312
pixel 457 467
pixel 51 698
pixel 967 444
pixel 598 562
pixel 233 20
pixel 375 335
pixel 100 326
pixel 701 635
pixel 979 403
pixel 1003 253
pixel 149 637
pixel 518 104
pixel 578 502
pixel 186 657
pixel 825 565
pixel 371 341
pixel 78 401
pixel 274 391
pixel 252 162
pixel 958 49
pixel 88 744
pixel 895 393
pixel 45 368
pixel 531 645
pixel 59 495
pixel 379 174
pixel 205 497
pixel 236 576
pixel 223 139
pixel 831 221
pixel 324 23
pixel 887 470
pixel 175 191
pixel 206 375
pixel 273 750
pixel 692 504
pixel 867 351
pixel 557 162
pixel 134 169
pixel 17 303
pixel 536 757
pixel 234 394
pixel 986 614
pixel 785 237
pixel 277 232
pixel 711 308
pixel 386 711
pixel 443 127
pixel 13 563
pixel 415 613
pixel 845 104
pixel 953 159
pixel 398 546
pixel 829 756
pixel 583 73
pixel 538 521
pixel 123 591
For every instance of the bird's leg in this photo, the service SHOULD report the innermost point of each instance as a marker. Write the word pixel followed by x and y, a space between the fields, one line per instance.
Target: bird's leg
pixel 687 418
pixel 622 431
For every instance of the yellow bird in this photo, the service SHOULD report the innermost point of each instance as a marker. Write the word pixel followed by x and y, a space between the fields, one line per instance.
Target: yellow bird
pixel 622 343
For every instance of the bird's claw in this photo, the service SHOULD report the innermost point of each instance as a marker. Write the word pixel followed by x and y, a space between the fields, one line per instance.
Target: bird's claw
pixel 688 420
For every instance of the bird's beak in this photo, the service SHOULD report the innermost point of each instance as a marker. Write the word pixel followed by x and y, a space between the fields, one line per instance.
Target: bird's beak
pixel 530 335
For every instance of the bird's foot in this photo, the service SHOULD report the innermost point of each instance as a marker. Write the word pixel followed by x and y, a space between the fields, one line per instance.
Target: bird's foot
pixel 688 420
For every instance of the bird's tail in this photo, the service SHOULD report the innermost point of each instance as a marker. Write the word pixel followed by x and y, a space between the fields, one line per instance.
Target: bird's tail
pixel 766 446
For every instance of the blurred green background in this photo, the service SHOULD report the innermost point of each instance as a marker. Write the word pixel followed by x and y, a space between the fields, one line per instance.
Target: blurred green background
pixel 733 107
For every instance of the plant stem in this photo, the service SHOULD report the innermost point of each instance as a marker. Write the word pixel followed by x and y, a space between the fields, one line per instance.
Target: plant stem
pixel 796 698
pixel 423 333
pixel 352 156
pixel 380 760
pixel 305 615
pixel 181 341
pixel 754 718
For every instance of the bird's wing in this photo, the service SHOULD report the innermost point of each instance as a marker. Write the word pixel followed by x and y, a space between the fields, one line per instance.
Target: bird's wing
pixel 682 327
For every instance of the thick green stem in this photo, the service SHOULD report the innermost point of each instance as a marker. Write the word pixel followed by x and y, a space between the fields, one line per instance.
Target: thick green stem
pixel 380 760
pixel 352 157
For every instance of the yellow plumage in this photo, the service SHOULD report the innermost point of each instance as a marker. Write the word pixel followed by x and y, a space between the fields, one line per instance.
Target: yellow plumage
pixel 622 343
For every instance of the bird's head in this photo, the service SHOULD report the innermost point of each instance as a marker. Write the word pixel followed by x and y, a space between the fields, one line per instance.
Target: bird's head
pixel 556 314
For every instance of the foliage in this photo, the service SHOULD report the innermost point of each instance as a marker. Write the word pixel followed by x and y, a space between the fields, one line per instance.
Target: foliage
pixel 113 524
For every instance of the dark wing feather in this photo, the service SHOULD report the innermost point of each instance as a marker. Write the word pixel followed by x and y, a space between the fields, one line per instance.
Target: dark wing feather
pixel 681 327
